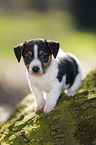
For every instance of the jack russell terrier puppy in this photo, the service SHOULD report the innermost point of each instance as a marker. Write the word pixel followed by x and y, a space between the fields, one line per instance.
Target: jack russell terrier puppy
pixel 49 70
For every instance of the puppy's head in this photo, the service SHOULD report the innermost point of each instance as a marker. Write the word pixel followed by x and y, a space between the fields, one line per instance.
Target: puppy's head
pixel 37 54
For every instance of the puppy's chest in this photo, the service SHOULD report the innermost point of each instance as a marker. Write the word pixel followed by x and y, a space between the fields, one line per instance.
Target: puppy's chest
pixel 43 84
pixel 48 80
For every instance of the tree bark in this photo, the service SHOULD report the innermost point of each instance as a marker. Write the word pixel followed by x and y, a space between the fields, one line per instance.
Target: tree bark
pixel 72 122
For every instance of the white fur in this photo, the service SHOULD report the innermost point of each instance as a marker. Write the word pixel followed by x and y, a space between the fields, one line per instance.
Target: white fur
pixel 35 48
pixel 36 61
pixel 49 84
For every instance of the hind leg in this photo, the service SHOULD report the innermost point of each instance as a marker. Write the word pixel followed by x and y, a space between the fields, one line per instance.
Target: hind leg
pixel 70 92
pixel 76 84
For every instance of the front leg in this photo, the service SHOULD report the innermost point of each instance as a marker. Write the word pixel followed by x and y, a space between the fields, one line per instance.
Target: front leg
pixel 52 98
pixel 39 100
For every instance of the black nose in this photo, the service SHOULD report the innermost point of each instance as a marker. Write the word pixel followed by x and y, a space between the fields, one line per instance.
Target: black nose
pixel 35 69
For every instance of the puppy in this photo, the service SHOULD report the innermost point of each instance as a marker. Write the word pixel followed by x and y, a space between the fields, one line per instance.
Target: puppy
pixel 49 70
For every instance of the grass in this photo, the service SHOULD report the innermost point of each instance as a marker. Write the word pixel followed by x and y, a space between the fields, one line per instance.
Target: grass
pixel 16 28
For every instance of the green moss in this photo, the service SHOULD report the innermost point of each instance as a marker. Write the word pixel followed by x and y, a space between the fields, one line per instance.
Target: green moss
pixel 72 122
pixel 85 132
pixel 89 83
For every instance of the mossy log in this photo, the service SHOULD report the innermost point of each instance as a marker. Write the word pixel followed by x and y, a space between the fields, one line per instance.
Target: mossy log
pixel 72 122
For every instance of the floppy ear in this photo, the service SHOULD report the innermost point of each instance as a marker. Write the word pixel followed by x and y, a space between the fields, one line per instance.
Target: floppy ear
pixel 53 46
pixel 18 50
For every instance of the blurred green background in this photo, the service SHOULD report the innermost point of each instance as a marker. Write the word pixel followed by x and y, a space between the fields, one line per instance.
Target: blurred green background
pixel 61 26
pixel 70 22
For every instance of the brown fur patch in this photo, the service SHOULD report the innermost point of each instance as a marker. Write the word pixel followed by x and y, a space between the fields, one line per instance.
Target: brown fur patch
pixel 30 53
pixel 27 65
pixel 40 52
pixel 46 65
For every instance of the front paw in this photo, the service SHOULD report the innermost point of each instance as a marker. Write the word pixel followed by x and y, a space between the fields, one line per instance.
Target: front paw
pixel 49 107
pixel 39 106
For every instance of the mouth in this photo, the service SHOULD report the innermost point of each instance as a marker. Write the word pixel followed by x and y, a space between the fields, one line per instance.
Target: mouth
pixel 38 74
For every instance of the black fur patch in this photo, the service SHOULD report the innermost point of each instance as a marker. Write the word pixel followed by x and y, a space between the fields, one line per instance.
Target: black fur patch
pixel 68 66
pixel 27 57
pixel 42 46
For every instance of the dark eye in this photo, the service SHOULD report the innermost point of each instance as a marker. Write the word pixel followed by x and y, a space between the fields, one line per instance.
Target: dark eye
pixel 44 56
pixel 28 57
